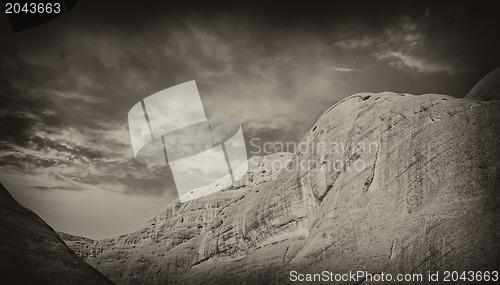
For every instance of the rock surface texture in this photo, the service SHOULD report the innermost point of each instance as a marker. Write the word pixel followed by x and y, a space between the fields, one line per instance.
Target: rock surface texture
pixel 32 253
pixel 487 88
pixel 383 182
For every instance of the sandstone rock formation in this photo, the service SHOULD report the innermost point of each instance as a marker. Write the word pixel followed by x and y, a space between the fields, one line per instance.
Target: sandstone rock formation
pixel 487 88
pixel 32 253
pixel 383 182
pixel 175 225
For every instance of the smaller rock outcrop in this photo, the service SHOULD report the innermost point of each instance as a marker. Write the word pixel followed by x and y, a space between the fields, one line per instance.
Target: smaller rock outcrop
pixel 32 253
pixel 486 89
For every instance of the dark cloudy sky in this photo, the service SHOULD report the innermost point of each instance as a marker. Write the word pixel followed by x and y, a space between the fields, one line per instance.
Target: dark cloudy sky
pixel 66 86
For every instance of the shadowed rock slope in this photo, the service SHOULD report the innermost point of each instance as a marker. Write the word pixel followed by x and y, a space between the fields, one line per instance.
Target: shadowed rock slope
pixel 487 88
pixel 382 182
pixel 32 253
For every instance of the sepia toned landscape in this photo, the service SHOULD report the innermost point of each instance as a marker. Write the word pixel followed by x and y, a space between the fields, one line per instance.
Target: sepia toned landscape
pixel 335 143
pixel 428 200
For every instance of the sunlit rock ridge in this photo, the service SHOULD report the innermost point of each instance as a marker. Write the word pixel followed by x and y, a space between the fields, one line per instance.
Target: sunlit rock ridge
pixel 424 196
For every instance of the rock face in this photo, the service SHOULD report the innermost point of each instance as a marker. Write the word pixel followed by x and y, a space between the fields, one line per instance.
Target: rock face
pixel 487 88
pixel 32 253
pixel 383 182
pixel 172 230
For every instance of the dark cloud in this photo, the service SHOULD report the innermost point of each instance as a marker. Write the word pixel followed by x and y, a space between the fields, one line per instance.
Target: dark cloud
pixel 44 188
